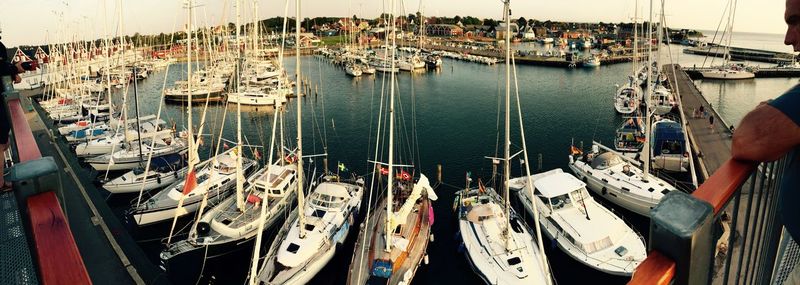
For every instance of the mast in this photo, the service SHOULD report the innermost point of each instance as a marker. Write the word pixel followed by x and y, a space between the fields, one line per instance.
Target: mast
pixel 390 180
pixel 635 39
pixel 136 106
pixel 190 134
pixel 237 80
pixel 300 198
pixel 507 142
pixel 647 127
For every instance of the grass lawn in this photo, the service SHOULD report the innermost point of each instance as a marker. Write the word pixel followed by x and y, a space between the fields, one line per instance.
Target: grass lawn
pixel 332 40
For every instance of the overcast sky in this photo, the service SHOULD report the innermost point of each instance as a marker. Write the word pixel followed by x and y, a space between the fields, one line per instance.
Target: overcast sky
pixel 41 21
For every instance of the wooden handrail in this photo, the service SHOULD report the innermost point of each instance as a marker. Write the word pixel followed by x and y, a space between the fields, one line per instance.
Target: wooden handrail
pixel 657 269
pixel 717 190
pixel 723 184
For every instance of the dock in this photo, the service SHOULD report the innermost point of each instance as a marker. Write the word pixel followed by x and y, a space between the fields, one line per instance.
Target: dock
pixel 711 147
pixel 96 240
pixel 771 72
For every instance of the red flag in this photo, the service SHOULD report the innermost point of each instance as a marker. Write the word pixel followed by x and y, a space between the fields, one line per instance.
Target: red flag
pixel 384 171
pixel 191 182
pixel 403 175
pixel 257 154
pixel 225 145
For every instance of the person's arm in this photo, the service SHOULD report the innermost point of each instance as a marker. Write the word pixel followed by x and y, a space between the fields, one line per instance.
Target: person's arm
pixel 770 130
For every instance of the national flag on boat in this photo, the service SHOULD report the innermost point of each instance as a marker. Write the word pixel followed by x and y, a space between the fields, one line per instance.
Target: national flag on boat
pixel 225 145
pixel 403 175
pixel 257 154
pixel 481 188
pixel 575 151
pixel 290 158
pixel 384 171
pixel 191 182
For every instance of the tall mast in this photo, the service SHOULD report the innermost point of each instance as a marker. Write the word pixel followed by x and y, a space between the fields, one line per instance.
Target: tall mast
pixel 390 180
pixel 189 84
pixel 300 198
pixel 237 80
pixel 635 38
pixel 507 142
pixel 647 126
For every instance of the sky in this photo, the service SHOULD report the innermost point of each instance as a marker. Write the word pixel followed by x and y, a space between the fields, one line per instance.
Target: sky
pixel 29 22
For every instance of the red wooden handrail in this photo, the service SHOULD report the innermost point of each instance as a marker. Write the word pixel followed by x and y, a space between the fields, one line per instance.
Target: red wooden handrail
pixel 717 191
pixel 58 256
pixel 23 136
pixel 720 187
pixel 657 269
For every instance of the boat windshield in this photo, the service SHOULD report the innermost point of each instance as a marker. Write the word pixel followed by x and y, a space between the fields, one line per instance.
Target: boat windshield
pixel 561 202
pixel 326 201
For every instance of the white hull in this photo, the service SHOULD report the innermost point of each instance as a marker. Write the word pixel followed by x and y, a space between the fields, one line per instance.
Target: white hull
pixel 728 74
pixel 615 194
pixel 118 187
pixel 266 100
pixel 604 260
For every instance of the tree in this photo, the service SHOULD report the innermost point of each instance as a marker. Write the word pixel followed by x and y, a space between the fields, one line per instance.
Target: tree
pixel 490 22
pixel 521 22
pixel 412 18
pixel 456 19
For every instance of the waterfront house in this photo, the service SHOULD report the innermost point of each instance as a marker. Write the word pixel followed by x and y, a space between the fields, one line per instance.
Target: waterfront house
pixel 443 30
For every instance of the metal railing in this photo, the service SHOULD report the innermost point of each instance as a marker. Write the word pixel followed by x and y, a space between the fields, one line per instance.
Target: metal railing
pixel 726 232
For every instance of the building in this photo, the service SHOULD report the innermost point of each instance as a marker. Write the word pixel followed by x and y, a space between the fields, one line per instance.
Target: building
pixel 443 30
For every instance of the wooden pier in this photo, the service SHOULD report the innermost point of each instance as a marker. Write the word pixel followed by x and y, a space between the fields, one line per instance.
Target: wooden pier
pixel 711 147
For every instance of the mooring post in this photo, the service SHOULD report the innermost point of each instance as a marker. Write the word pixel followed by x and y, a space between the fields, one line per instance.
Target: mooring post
pixel 439 173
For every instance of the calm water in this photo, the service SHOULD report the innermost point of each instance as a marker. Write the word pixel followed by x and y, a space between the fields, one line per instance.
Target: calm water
pixel 456 124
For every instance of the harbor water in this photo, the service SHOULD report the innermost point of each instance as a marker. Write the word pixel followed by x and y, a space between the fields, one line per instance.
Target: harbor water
pixel 449 118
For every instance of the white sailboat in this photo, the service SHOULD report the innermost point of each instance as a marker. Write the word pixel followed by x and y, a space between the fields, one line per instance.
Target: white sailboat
pixel 498 244
pixel 215 181
pixel 314 230
pixel 728 71
pixel 583 228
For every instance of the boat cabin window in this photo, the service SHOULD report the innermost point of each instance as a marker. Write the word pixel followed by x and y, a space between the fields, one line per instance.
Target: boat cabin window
pixel 561 202
pixel 326 201
pixel 671 147
pixel 293 248
pixel 514 261
pixel 319 213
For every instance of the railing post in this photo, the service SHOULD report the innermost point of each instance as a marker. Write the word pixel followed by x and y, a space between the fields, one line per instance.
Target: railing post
pixel 681 229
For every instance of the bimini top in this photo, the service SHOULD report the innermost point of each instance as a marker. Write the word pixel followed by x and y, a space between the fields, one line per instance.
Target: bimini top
pixel 606 160
pixel 558 184
pixel 332 189
pixel 668 138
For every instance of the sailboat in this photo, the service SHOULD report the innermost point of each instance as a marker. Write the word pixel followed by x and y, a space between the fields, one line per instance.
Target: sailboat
pixel 314 230
pixel 393 240
pixel 628 96
pixel 728 71
pixel 498 244
pixel 583 228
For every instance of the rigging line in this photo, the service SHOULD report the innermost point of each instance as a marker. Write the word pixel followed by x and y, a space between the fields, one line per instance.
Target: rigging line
pixel 724 11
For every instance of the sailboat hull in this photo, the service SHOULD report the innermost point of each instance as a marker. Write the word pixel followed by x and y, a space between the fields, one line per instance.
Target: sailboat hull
pixel 370 246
